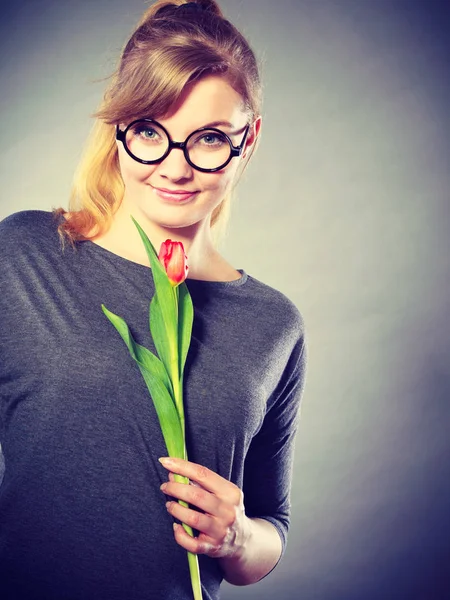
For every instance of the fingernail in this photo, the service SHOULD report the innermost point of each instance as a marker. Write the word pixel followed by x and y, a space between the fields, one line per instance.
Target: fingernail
pixel 163 487
pixel 165 460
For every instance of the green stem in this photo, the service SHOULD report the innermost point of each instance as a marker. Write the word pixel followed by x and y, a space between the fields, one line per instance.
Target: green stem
pixel 175 367
pixel 194 568
pixel 177 390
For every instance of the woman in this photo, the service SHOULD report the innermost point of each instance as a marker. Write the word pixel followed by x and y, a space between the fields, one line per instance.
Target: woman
pixel 82 513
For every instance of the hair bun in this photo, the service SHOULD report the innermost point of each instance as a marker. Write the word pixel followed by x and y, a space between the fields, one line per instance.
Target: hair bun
pixel 209 6
pixel 175 8
pixel 193 6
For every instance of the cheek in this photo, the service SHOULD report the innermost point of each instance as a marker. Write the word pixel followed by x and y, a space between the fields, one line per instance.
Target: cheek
pixel 132 171
pixel 219 182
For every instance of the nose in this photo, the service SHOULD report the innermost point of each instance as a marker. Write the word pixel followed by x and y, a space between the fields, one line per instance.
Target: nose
pixel 175 166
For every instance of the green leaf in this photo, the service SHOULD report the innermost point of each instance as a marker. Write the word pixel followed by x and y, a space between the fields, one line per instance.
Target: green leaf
pixel 169 420
pixel 152 364
pixel 185 320
pixel 164 291
pixel 167 307
pixel 140 354
pixel 159 333
pixel 151 252
pixel 158 384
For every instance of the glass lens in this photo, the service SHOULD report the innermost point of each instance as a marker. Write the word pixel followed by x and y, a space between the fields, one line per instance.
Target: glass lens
pixel 147 141
pixel 208 149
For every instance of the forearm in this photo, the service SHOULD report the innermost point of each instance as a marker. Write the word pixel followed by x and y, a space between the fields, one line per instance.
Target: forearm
pixel 260 554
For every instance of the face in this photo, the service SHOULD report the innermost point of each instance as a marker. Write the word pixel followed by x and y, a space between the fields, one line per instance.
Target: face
pixel 203 102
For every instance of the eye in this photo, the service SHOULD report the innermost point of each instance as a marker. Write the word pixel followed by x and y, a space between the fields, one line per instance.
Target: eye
pixel 211 138
pixel 145 133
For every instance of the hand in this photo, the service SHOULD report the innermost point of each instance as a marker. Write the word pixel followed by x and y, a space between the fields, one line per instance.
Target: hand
pixel 224 528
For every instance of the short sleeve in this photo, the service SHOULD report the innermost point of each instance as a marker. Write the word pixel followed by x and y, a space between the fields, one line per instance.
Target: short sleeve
pixel 268 466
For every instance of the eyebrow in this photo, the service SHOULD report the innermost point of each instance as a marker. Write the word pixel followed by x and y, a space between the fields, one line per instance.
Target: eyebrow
pixel 220 124
pixel 225 124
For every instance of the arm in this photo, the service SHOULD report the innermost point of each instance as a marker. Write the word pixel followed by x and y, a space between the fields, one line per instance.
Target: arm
pixel 247 543
pixel 268 472
pixel 261 553
pixel 267 479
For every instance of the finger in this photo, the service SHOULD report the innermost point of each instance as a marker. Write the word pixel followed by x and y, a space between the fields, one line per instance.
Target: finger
pixel 196 496
pixel 201 522
pixel 192 544
pixel 210 481
pixel 172 478
pixel 194 483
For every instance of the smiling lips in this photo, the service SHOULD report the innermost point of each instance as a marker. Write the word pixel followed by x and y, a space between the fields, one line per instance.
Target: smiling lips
pixel 174 195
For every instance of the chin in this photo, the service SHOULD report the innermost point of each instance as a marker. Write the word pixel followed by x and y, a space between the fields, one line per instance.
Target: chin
pixel 177 217
pixel 174 221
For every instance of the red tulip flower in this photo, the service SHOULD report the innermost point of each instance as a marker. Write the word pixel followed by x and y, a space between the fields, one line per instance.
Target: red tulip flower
pixel 174 260
pixel 171 315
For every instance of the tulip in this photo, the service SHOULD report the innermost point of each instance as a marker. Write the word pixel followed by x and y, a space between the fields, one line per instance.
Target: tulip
pixel 171 314
pixel 174 261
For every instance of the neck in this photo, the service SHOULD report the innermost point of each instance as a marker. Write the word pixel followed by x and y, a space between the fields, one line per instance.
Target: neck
pixel 196 240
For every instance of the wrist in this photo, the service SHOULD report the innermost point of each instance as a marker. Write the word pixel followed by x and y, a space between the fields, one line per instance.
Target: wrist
pixel 241 545
pixel 258 555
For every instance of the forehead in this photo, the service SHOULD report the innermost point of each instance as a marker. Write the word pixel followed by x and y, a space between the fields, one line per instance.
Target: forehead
pixel 208 100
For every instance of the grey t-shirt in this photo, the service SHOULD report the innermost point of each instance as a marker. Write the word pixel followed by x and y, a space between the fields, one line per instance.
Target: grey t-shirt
pixel 81 513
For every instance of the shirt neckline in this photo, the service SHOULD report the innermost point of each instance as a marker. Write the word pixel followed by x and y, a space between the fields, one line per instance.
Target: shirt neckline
pixel 144 268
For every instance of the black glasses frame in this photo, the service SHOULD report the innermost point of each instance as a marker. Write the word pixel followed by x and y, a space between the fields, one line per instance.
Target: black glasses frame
pixel 234 150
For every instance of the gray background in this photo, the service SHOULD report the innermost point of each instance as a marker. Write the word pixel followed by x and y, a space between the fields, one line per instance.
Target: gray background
pixel 345 208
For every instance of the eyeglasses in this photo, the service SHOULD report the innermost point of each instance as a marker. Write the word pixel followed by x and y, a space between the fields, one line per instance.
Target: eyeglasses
pixel 206 149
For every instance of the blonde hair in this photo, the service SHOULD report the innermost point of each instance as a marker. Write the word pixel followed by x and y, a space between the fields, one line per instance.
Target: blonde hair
pixel 170 47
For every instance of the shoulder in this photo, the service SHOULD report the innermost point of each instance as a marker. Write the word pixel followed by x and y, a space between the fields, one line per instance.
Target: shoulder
pixel 276 308
pixel 267 318
pixel 27 220
pixel 27 228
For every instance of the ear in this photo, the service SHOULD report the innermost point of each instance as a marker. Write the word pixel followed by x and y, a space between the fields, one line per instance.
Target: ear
pixel 122 127
pixel 253 135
